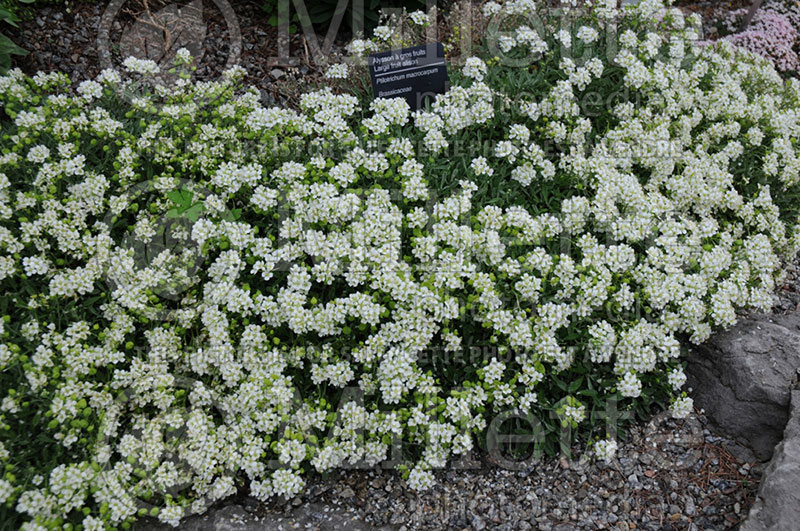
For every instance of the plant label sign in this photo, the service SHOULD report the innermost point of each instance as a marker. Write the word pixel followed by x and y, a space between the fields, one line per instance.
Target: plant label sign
pixel 417 74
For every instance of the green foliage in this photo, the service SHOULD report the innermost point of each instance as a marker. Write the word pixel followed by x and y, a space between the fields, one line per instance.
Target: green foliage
pixel 7 46
pixel 184 205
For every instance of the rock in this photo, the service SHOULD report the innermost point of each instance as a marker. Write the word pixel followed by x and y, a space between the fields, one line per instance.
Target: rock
pixel 777 506
pixel 689 508
pixel 477 523
pixel 742 379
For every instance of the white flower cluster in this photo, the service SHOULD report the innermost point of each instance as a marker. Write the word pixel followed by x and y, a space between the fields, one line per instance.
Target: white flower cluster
pixel 337 71
pixel 605 449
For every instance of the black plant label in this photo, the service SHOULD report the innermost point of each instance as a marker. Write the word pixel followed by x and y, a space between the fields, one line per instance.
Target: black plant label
pixel 417 74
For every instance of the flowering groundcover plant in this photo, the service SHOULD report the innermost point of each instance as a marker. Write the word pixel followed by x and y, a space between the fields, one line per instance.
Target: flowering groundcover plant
pixel 772 33
pixel 202 295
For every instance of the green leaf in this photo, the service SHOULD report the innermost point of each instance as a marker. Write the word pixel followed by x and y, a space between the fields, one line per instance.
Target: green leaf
pixel 7 47
pixel 9 17
pixel 182 198
pixel 560 383
pixel 194 211
pixel 575 385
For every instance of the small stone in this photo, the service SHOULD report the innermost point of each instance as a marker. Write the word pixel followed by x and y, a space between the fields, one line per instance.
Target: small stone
pixel 689 508
pixel 477 522
pixel 737 508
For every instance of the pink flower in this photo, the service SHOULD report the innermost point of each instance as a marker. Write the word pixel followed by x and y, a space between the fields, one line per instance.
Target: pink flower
pixel 771 34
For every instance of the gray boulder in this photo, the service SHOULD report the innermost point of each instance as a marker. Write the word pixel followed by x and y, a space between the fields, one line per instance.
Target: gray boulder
pixel 743 378
pixel 777 506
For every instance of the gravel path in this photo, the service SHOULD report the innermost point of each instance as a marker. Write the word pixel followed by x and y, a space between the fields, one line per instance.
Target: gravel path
pixel 668 475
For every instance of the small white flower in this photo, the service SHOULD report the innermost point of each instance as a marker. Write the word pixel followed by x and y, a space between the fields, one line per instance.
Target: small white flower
pixel 419 18
pixel 481 166
pixel 474 68
pixel 6 489
pixel 90 90
pixel 35 265
pixel 564 37
pixel 337 71
pixel 140 66
pixel 587 35
pixel 630 386
pixel 419 479
pixel 183 56
pixel 38 154
pixel 383 33
pixel 677 378
pixel 682 407
pixel 605 449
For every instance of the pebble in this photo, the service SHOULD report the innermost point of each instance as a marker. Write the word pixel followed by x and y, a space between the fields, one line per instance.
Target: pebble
pixel 689 508
pixel 477 523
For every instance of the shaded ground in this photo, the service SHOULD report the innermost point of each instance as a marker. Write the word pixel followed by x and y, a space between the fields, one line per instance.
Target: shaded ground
pixel 668 475
pixel 67 41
